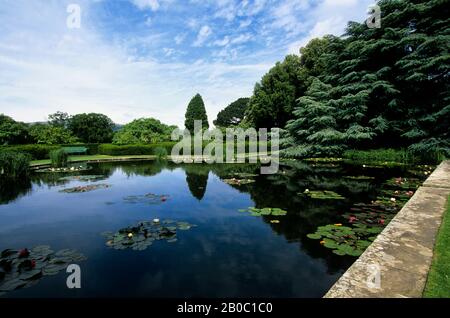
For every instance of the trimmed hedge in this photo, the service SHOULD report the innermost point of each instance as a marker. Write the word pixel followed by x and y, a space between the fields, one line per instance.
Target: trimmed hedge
pixel 115 150
pixel 41 152
pixel 37 152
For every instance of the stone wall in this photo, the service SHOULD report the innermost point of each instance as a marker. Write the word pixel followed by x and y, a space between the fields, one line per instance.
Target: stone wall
pixel 396 264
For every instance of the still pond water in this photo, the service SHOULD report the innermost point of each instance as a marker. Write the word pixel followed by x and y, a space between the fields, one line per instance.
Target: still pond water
pixel 227 254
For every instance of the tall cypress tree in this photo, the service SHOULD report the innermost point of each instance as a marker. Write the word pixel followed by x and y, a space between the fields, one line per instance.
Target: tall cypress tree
pixel 196 111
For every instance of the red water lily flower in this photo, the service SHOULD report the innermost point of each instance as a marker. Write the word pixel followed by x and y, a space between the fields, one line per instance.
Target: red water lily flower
pixel 24 252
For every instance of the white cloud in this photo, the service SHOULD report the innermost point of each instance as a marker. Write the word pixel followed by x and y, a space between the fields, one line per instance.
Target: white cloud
pixel 245 23
pixel 146 4
pixel 222 42
pixel 180 38
pixel 46 67
pixel 241 38
pixel 202 35
pixel 330 17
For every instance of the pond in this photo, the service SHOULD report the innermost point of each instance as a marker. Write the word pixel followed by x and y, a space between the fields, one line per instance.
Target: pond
pixel 213 248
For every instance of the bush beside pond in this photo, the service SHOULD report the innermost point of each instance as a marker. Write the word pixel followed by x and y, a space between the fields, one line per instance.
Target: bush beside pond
pixel 14 164
pixel 59 158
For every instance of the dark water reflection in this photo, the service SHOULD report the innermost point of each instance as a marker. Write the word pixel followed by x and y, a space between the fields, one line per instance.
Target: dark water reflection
pixel 228 254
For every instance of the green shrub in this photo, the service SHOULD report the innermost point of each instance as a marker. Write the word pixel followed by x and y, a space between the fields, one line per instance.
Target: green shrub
pixel 160 152
pixel 59 158
pixel 14 164
pixel 37 152
pixel 380 156
pixel 116 150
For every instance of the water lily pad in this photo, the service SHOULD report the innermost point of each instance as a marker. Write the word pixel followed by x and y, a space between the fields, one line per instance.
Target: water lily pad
pixel 88 188
pixel 238 182
pixel 25 268
pixel 85 178
pixel 141 236
pixel 264 211
pixel 323 195
pixel 149 198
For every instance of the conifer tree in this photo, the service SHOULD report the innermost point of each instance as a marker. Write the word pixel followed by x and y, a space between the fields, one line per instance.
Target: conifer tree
pixel 196 111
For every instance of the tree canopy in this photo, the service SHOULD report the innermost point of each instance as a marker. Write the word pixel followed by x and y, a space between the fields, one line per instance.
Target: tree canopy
pixel 92 127
pixel 143 131
pixel 274 98
pixel 196 111
pixel 12 132
pixel 233 114
pixel 51 135
pixel 388 86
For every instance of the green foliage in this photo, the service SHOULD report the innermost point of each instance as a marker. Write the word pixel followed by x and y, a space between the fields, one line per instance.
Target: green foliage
pixel 116 150
pixel 196 111
pixel 12 132
pixel 143 131
pixel 14 164
pixel 59 119
pixel 51 135
pixel 438 281
pixel 233 114
pixel 92 128
pixel 382 88
pixel 36 152
pixel 160 152
pixel 380 156
pixel 59 158
pixel 274 98
pixel 314 131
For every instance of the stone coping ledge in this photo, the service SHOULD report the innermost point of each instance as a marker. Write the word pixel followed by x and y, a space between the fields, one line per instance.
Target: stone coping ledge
pixel 397 263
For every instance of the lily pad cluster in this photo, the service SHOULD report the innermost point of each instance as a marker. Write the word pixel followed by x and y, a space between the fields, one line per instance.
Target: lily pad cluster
pixel 244 175
pixel 65 169
pixel 88 188
pixel 149 198
pixel 367 220
pixel 234 181
pixel 344 240
pixel 370 215
pixel 141 236
pixel 359 177
pixel 25 268
pixel 323 195
pixel 404 183
pixel 264 211
pixel 86 178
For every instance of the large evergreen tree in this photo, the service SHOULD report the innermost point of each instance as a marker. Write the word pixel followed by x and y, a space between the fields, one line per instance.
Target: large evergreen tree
pixel 233 114
pixel 313 132
pixel 196 111
pixel 389 85
pixel 274 98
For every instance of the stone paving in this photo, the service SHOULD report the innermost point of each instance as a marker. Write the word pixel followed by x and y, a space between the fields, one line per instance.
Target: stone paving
pixel 398 261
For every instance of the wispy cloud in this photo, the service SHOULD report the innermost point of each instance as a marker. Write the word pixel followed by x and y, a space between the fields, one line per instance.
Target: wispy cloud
pixel 140 58
pixel 203 34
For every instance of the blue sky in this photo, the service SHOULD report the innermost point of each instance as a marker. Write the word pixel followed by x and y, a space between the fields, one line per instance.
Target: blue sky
pixel 147 58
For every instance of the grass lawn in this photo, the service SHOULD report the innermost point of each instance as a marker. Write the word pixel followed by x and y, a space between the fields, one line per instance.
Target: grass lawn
pixel 438 283
pixel 93 157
